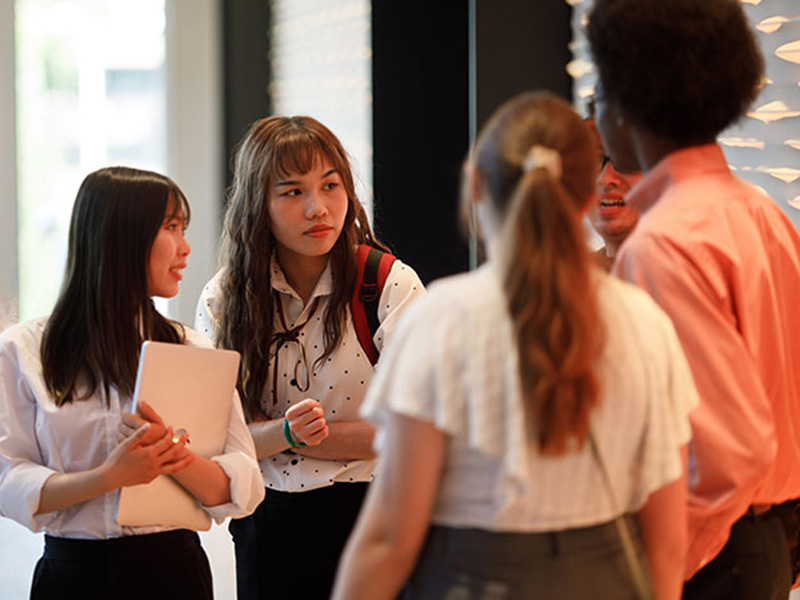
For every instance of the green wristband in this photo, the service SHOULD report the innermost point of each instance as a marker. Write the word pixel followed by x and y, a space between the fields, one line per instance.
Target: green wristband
pixel 287 433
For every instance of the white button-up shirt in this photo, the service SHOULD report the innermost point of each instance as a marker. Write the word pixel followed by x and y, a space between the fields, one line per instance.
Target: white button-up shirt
pixel 39 439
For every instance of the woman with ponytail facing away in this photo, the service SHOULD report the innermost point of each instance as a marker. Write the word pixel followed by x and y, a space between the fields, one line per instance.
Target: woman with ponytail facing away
pixel 531 411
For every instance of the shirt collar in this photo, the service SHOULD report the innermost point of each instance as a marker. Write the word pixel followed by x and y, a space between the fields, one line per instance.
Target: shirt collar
pixel 324 286
pixel 683 164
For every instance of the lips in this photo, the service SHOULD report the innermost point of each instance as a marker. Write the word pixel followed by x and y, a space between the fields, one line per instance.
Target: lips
pixel 176 271
pixel 318 230
pixel 610 205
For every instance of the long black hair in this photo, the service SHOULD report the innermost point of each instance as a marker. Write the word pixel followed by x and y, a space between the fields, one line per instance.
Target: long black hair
pixel 104 312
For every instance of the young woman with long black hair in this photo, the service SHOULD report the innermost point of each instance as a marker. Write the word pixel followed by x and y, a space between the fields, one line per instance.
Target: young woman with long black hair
pixel 66 383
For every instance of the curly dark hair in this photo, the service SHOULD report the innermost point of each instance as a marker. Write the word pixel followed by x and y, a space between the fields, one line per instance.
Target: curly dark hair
pixel 682 69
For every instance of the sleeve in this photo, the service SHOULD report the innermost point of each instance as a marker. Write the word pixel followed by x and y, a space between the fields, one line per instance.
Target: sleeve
pixel 402 287
pixel 206 319
pixel 239 463
pixel 22 474
pixel 733 445
pixel 672 396
pixel 418 375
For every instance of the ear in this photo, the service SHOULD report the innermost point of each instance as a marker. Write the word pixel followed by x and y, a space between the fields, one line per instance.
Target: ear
pixel 474 183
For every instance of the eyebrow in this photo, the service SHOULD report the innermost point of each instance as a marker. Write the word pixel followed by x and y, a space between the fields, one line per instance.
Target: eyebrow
pixel 289 182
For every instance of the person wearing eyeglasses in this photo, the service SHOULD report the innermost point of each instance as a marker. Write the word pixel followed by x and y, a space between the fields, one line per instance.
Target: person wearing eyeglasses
pixel 611 216
pixel 723 260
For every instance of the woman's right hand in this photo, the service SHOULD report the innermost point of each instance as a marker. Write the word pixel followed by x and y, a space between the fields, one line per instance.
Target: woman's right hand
pixel 145 413
pixel 307 422
pixel 133 462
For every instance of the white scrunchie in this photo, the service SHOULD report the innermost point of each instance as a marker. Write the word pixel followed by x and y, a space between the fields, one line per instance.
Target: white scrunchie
pixel 546 158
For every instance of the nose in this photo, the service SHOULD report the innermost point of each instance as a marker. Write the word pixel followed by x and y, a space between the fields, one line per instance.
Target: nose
pixel 609 178
pixel 184 249
pixel 315 206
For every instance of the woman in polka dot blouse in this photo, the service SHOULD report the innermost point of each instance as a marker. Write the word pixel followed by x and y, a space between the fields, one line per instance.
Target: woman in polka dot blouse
pixel 281 299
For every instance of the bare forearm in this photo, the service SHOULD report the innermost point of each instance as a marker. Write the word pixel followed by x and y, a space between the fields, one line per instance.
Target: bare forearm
pixel 664 535
pixel 372 569
pixel 347 440
pixel 268 437
pixel 391 528
pixel 206 481
pixel 63 490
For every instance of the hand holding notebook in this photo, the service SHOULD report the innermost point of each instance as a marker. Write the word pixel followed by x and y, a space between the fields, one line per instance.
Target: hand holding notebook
pixel 192 389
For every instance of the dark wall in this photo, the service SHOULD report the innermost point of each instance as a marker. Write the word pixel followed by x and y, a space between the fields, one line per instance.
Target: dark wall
pixel 520 45
pixel 420 130
pixel 246 68
pixel 439 70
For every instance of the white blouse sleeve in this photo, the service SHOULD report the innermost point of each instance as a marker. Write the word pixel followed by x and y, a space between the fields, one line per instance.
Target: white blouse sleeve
pixel 22 474
pixel 672 397
pixel 418 370
pixel 240 464
pixel 401 288
pixel 206 320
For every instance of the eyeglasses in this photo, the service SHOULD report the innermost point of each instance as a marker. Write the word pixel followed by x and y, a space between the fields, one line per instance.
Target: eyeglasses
pixel 591 107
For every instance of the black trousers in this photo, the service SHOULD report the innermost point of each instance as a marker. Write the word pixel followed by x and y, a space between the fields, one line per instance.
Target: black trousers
pixel 290 546
pixel 753 565
pixel 157 566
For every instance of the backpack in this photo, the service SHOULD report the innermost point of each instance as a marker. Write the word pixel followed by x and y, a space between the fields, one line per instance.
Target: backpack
pixel 373 269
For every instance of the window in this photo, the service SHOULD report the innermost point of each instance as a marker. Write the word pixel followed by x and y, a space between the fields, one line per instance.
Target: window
pixel 90 93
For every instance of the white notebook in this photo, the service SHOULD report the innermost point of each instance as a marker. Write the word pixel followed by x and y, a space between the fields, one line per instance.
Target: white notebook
pixel 190 388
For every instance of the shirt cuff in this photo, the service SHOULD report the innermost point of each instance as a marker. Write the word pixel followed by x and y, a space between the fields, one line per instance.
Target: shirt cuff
pixel 247 488
pixel 21 494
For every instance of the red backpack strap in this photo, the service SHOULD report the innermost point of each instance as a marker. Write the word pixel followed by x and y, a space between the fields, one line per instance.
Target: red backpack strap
pixel 373 269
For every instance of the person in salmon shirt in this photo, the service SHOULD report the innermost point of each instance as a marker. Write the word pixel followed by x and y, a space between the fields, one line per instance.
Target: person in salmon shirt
pixel 723 260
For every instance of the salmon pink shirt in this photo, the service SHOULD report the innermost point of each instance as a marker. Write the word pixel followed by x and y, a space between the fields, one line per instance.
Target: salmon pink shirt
pixel 723 261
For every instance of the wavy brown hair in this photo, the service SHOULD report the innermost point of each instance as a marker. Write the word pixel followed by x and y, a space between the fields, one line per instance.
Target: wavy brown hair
pixel 273 148
pixel 547 274
pixel 103 313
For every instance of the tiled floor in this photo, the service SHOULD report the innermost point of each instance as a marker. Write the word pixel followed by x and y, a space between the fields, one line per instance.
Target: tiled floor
pixel 20 549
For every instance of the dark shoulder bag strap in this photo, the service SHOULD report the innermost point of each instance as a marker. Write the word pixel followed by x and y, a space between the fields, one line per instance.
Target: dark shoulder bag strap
pixel 373 269
pixel 644 590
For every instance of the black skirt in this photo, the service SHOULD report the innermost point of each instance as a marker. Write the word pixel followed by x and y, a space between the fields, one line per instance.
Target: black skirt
pixel 156 566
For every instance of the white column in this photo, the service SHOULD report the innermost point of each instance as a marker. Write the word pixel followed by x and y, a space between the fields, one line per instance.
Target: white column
pixel 194 137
